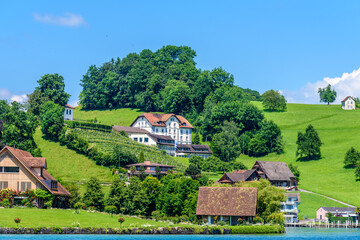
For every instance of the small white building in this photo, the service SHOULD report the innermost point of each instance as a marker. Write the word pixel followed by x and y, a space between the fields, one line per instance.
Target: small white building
pixel 69 112
pixel 175 126
pixel 348 103
pixel 290 207
pixel 346 212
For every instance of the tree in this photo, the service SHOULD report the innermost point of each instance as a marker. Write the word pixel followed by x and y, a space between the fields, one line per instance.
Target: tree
pixel 158 172
pixel 357 172
pixel 193 171
pixel 327 94
pixel 94 196
pixel 295 170
pixel 176 95
pixel 141 157
pixel 196 139
pixel 329 216
pixel 51 88
pixel 352 157
pixel 52 119
pixel 273 101
pixel 226 144
pixel 271 134
pixel 121 158
pixel 309 143
pixel 142 174
pixel 257 147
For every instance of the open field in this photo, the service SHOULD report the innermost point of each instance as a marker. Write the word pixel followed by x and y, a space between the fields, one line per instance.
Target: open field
pixel 66 164
pixel 338 130
pixel 33 217
pixel 121 117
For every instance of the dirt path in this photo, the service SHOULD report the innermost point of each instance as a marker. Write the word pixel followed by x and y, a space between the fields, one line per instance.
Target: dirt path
pixel 302 190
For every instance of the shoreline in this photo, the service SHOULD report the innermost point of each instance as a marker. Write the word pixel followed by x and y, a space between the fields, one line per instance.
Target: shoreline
pixel 216 230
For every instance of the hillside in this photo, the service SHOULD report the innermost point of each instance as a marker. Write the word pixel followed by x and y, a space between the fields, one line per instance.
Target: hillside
pixel 338 130
pixel 68 165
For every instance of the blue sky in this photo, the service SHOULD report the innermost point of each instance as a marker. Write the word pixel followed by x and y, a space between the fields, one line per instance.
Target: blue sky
pixel 291 46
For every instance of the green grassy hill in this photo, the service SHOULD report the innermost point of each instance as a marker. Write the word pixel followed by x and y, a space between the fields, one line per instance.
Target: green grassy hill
pixel 338 130
pixel 66 164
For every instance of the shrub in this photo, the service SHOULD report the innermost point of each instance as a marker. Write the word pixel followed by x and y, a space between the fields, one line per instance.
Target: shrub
pixel 276 218
pixel 121 221
pixel 111 209
pixel 258 219
pixel 78 206
pixel 5 203
pixel 48 204
pixel 17 221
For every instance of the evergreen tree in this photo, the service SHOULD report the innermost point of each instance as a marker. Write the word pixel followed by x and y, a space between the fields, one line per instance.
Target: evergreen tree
pixel 141 157
pixel 193 171
pixel 309 144
pixel 357 172
pixel 94 195
pixel 352 157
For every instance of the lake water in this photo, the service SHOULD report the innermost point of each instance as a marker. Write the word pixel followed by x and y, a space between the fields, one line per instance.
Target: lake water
pixel 291 233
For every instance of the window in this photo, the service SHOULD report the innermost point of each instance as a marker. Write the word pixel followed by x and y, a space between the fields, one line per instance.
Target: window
pixel 157 130
pixel 70 111
pixel 140 139
pixel 25 186
pixel 146 139
pixel 152 168
pixel 181 131
pixel 162 130
pixel 187 131
pixel 136 139
pixel 3 185
pixel 67 111
pixel 54 185
pixel 9 169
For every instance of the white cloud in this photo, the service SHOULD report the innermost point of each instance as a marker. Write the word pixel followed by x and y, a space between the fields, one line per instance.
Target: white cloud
pixel 68 19
pixel 346 85
pixel 74 103
pixel 6 94
pixel 19 98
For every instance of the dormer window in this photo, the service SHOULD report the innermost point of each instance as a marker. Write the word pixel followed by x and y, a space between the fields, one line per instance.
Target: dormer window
pixel 54 185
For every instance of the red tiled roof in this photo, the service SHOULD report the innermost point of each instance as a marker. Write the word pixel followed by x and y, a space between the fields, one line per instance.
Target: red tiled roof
pixel 68 106
pixel 346 98
pixel 26 159
pixel 227 201
pixel 157 119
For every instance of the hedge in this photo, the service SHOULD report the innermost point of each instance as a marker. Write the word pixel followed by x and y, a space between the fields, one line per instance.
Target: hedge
pixel 89 125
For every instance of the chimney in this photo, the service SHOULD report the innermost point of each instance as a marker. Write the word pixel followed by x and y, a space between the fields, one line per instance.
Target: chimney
pixel 147 162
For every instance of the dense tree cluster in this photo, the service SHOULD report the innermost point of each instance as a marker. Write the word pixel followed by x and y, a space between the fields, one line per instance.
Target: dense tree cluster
pixel 167 80
pixel 17 127
pixel 214 164
pixel 309 144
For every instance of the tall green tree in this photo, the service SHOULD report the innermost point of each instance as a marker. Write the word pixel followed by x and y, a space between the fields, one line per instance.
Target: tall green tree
pixel 94 196
pixel 196 139
pixel 51 88
pixel 352 157
pixel 17 127
pixel 272 100
pixel 176 95
pixel 226 144
pixel 193 171
pixel 309 143
pixel 52 119
pixel 327 94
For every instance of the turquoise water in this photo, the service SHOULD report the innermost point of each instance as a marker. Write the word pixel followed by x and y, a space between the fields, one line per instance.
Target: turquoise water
pixel 291 233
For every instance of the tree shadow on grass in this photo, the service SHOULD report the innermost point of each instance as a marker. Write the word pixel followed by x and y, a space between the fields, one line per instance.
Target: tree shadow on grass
pixel 275 110
pixel 308 158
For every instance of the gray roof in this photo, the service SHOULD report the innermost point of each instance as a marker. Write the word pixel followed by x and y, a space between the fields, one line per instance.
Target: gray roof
pixel 276 171
pixel 193 148
pixel 240 175
pixel 339 209
pixel 130 129
pixel 294 195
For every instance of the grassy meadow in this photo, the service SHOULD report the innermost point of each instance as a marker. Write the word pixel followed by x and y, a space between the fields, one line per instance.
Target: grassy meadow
pixel 67 165
pixel 338 130
pixel 33 217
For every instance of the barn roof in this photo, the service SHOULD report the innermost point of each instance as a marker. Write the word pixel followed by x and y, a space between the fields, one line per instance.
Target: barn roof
pixel 275 171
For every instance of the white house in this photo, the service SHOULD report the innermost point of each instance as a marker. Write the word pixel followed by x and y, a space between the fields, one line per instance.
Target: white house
pixel 68 113
pixel 175 126
pixel 290 207
pixel 348 103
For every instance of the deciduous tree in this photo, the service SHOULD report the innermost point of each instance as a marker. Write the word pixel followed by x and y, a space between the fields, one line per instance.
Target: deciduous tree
pixel 309 143
pixel 352 157
pixel 327 94
pixel 272 100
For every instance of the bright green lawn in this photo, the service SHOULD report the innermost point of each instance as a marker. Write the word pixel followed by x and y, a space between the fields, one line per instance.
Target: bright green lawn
pixel 312 202
pixel 67 164
pixel 338 130
pixel 67 218
pixel 121 117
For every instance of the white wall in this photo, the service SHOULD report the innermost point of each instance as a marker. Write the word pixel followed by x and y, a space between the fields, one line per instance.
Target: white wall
pixel 68 113
pixel 349 104
pixel 141 137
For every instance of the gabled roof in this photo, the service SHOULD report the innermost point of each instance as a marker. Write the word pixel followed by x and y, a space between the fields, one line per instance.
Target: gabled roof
pixel 339 209
pixel 130 129
pixel 275 171
pixel 347 98
pixel 227 201
pixel 238 175
pixel 68 106
pixel 158 120
pixel 25 159
pixel 192 148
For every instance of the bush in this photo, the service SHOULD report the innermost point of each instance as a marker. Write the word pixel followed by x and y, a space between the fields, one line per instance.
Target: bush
pixel 111 209
pixel 89 125
pixel 48 204
pixel 258 219
pixel 276 218
pixel 5 203
pixel 78 206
